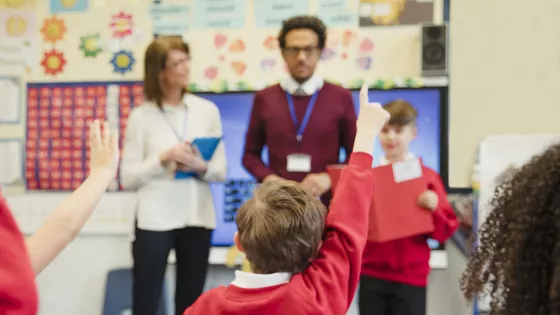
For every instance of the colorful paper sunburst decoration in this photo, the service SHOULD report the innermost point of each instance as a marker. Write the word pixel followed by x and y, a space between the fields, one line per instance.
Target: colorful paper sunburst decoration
pixel 53 62
pixel 16 26
pixel 14 4
pixel 90 46
pixel 121 25
pixel 53 29
pixel 123 61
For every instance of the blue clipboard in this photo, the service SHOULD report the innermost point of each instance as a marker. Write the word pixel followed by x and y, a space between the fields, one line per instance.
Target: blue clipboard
pixel 207 147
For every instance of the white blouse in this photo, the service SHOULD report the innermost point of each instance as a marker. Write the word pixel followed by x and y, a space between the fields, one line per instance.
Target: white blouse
pixel 163 202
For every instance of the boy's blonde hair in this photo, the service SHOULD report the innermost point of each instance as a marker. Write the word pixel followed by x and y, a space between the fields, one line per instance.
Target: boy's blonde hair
pixel 281 227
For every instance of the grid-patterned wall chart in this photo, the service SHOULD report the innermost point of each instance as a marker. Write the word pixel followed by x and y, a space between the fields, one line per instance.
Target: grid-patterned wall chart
pixel 58 115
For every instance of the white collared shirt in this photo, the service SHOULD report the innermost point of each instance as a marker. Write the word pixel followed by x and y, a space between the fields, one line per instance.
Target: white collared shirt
pixel 384 161
pixel 163 202
pixel 247 280
pixel 310 86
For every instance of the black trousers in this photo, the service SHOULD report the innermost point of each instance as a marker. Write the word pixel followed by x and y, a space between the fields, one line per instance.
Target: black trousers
pixel 380 297
pixel 150 250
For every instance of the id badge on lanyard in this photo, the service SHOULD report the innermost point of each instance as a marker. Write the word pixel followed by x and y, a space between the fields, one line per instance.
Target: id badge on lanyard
pixel 299 162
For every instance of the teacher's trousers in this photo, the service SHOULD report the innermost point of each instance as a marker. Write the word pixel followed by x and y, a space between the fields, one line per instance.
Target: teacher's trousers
pixel 150 251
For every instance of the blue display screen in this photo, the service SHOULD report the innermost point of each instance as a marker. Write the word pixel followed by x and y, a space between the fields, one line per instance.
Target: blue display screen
pixel 235 110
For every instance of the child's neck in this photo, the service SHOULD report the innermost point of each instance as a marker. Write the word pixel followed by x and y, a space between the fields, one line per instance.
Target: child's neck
pixel 393 159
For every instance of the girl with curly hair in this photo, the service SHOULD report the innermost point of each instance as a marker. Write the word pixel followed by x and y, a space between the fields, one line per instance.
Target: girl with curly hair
pixel 517 261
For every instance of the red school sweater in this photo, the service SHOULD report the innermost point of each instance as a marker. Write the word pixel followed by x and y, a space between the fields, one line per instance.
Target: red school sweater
pixel 328 285
pixel 407 260
pixel 18 294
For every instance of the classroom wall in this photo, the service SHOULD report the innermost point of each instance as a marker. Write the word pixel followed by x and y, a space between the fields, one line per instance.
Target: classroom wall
pixel 504 73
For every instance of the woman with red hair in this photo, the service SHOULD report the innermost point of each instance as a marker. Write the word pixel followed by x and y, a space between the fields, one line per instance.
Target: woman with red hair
pixel 21 260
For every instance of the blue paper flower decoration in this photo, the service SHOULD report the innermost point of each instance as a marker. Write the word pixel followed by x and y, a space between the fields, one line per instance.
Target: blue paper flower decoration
pixel 123 61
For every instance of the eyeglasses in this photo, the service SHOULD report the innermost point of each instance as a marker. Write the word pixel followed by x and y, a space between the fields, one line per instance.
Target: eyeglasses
pixel 175 64
pixel 294 51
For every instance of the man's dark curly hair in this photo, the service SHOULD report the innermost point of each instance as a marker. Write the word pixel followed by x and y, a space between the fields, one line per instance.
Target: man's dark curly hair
pixel 303 22
pixel 518 259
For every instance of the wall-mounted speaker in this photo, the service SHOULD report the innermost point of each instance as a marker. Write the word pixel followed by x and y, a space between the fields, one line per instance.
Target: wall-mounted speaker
pixel 434 49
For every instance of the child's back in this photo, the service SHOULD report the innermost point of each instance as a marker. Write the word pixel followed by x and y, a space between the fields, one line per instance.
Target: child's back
pixel 303 263
pixel 327 285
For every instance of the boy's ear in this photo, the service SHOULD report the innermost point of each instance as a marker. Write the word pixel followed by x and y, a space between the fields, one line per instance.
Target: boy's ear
pixel 414 131
pixel 237 242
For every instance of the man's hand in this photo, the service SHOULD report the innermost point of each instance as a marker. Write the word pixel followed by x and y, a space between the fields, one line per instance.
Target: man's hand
pixel 272 178
pixel 317 184
pixel 428 200
pixel 371 119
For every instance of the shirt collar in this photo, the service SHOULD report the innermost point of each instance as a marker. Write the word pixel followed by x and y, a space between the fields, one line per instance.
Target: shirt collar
pixel 182 105
pixel 384 161
pixel 310 86
pixel 247 280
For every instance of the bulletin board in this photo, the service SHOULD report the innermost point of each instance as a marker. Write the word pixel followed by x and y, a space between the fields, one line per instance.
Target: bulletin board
pixel 233 42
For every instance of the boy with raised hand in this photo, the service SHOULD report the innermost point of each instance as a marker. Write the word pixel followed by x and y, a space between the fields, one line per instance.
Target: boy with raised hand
pixel 303 261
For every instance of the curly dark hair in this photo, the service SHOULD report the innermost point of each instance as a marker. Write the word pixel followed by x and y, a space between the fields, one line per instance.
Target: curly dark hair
pixel 303 22
pixel 518 259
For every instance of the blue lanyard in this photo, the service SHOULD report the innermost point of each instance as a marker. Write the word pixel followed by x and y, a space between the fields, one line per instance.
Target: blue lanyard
pixel 301 128
pixel 180 137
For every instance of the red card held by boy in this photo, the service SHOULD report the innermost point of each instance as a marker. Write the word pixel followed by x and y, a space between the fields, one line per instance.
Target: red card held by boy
pixel 394 212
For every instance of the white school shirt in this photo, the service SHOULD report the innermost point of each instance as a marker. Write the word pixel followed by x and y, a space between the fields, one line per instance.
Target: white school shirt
pixel 384 161
pixel 248 280
pixel 310 86
pixel 165 203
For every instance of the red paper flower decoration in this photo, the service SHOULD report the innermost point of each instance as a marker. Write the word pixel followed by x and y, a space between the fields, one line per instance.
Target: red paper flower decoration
pixel 121 25
pixel 53 62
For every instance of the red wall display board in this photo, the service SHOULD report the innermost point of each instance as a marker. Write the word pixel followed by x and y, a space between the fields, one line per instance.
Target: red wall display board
pixel 58 115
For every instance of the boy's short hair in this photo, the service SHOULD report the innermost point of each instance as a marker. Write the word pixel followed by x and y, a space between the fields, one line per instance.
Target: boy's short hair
pixel 402 113
pixel 281 227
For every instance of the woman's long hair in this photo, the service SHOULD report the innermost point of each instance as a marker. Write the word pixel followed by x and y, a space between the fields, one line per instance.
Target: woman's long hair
pixel 517 261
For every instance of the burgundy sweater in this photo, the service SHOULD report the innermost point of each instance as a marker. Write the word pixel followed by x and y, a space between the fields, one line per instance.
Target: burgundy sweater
pixel 332 125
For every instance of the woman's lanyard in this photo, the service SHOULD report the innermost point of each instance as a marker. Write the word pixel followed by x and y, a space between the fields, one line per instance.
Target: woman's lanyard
pixel 180 137
pixel 300 128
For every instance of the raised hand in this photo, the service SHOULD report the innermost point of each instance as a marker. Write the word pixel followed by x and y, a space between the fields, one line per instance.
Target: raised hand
pixel 371 119
pixel 372 116
pixel 104 149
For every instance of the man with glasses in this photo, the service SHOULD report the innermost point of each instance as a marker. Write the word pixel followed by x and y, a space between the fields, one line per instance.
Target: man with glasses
pixel 303 121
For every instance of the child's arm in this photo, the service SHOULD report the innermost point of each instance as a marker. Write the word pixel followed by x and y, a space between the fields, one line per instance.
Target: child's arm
pixel 445 220
pixel 334 274
pixel 66 221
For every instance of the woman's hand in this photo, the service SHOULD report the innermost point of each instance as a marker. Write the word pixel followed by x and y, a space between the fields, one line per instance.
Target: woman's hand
pixel 179 153
pixel 194 163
